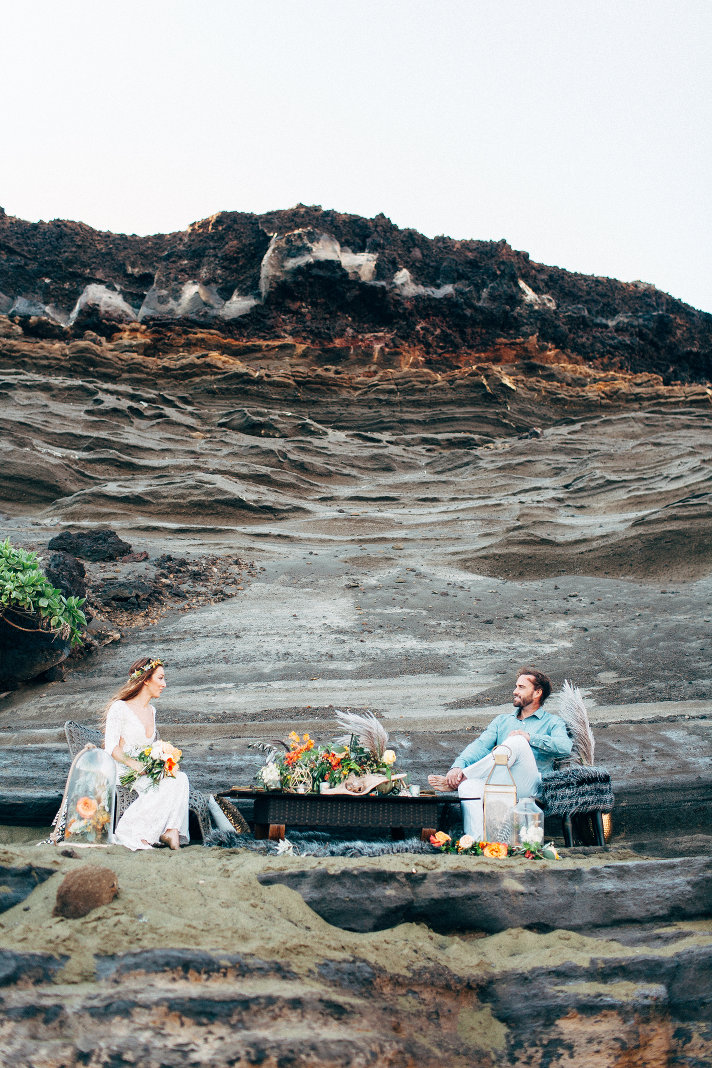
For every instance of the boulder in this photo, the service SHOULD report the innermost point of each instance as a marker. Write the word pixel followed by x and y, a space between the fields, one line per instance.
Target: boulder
pixel 93 545
pixel 84 889
pixel 130 593
pixel 67 573
pixel 26 650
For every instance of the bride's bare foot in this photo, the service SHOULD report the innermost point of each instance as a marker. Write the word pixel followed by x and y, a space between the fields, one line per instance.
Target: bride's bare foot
pixel 438 782
pixel 171 838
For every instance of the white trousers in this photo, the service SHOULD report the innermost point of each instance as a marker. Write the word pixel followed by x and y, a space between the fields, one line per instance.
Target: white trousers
pixel 522 765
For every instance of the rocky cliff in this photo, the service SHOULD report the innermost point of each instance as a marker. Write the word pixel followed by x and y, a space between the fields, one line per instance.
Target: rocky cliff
pixel 343 282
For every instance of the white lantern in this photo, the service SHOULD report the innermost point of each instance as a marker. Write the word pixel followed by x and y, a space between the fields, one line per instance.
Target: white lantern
pixel 528 824
pixel 91 795
pixel 500 797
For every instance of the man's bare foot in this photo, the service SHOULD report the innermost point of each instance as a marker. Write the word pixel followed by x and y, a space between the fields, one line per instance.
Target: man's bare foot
pixel 438 782
pixel 171 838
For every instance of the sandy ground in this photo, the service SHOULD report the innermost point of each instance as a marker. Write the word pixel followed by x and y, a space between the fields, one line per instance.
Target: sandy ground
pixel 211 899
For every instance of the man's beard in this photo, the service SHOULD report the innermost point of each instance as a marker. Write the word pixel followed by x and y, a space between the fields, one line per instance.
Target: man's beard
pixel 520 704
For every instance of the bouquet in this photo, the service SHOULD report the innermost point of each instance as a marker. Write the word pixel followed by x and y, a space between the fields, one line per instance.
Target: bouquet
pixel 159 761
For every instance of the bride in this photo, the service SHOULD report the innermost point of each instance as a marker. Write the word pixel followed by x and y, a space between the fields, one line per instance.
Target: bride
pixel 160 812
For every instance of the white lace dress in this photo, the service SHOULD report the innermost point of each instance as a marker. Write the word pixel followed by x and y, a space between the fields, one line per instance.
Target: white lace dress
pixel 157 808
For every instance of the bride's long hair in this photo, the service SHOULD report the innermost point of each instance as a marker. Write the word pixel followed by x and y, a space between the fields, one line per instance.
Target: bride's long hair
pixel 132 686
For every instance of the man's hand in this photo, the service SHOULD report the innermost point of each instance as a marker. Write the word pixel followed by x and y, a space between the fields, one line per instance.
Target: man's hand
pixel 454 777
pixel 522 733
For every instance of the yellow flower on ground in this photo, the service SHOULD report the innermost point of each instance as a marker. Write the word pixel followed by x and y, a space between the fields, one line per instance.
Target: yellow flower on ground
pixel 389 757
pixel 466 842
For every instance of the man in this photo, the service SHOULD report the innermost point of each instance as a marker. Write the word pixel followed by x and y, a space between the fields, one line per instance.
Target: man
pixel 535 739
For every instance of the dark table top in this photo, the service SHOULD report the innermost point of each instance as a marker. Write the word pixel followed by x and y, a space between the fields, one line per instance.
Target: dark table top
pixel 250 793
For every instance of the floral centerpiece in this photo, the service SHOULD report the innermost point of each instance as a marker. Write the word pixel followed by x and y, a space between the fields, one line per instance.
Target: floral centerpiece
pixel 494 850
pixel 358 762
pixel 159 761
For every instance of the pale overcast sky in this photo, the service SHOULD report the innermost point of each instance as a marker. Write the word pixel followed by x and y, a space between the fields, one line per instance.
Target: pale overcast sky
pixel 579 130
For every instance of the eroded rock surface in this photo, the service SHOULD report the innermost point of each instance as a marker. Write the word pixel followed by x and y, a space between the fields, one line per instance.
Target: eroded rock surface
pixel 650 1010
pixel 638 891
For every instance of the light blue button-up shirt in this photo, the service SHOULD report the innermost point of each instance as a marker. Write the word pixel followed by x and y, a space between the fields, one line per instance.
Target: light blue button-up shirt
pixel 548 738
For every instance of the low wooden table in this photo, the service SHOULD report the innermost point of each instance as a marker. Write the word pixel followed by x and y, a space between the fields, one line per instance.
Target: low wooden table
pixel 277 809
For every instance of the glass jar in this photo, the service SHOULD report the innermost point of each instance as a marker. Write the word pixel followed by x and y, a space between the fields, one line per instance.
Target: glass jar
pixel 90 799
pixel 500 797
pixel 528 824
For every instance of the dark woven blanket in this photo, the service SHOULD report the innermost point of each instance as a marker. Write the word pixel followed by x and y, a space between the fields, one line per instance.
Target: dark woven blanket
pixel 576 789
pixel 318 844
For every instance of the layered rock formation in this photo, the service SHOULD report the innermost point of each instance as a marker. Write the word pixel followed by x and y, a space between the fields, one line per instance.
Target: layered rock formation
pixel 446 460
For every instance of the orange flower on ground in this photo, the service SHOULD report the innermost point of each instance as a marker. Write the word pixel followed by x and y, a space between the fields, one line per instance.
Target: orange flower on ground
pixel 170 766
pixel 86 807
pixel 439 838
pixel 466 842
pixel 495 849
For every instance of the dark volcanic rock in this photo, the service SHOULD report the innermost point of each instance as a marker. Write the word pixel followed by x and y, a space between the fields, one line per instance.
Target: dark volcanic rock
pixel 26 650
pixel 18 883
pixel 495 900
pixel 67 573
pixel 318 276
pixel 131 593
pixel 91 544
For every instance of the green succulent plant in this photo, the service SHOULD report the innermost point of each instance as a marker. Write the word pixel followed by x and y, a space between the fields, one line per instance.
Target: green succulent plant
pixel 25 587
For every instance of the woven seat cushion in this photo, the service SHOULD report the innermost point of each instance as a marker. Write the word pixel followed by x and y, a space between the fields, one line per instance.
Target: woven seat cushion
pixel 576 789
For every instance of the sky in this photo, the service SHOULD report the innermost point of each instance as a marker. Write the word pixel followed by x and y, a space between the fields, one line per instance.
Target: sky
pixel 579 130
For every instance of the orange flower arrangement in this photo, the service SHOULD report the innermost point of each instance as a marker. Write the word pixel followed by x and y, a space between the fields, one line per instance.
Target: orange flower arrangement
pixel 86 807
pixel 467 846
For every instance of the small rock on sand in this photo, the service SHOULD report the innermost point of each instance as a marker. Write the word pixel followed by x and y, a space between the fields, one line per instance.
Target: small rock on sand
pixel 85 889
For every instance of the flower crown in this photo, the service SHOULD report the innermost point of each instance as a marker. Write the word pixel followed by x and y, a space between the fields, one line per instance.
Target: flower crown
pixel 145 670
